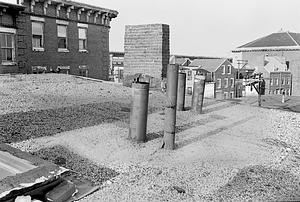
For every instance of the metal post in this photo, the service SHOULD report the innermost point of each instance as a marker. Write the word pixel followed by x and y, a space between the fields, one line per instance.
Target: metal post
pixel 181 91
pixel 139 111
pixel 259 91
pixel 170 110
pixel 198 93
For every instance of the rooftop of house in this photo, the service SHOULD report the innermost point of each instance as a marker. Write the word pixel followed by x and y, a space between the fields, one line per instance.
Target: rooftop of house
pixel 12 6
pixel 279 40
pixel 210 65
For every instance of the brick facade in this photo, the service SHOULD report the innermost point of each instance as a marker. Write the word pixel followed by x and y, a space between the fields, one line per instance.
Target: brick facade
pixel 8 25
pixel 93 61
pixel 147 51
pixel 280 82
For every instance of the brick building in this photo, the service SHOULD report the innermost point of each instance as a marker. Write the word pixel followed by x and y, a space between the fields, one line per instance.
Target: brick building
pixel 283 44
pixel 220 71
pixel 8 32
pixel 65 36
pixel 147 52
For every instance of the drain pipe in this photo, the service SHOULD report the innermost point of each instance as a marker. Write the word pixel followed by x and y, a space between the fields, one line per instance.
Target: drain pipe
pixel 139 111
pixel 198 93
pixel 181 91
pixel 170 110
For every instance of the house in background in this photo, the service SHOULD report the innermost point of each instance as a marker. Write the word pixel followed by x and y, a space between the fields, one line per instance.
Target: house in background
pixel 282 44
pixel 9 13
pixel 218 71
pixel 55 36
pixel 116 67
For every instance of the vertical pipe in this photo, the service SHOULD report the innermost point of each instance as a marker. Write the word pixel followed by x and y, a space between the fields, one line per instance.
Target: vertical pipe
pixel 139 111
pixel 181 91
pixel 259 91
pixel 198 93
pixel 170 110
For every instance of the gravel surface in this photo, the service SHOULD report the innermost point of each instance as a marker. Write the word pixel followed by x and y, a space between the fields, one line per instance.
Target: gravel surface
pixel 232 152
pixel 81 166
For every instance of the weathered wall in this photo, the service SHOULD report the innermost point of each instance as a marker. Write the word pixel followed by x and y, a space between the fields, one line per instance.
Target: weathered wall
pixel 147 51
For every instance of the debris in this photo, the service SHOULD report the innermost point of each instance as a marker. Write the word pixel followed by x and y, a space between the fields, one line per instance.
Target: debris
pixel 179 189
pixel 62 192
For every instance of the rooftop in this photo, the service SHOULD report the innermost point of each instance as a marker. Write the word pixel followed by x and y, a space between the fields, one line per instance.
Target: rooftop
pixel 279 40
pixel 208 64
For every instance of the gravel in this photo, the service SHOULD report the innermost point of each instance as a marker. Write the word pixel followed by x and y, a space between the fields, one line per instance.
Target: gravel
pixel 83 167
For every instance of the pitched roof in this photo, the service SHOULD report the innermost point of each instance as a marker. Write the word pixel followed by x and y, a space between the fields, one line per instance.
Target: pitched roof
pixel 277 40
pixel 210 65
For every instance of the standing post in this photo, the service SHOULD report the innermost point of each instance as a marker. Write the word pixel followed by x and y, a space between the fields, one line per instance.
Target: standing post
pixel 198 93
pixel 170 110
pixel 181 91
pixel 139 111
pixel 283 97
pixel 259 91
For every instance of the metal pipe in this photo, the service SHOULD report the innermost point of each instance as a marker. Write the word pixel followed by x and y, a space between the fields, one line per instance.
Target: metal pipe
pixel 198 93
pixel 181 91
pixel 170 110
pixel 139 111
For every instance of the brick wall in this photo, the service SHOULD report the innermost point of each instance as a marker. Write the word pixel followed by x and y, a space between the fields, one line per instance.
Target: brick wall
pixel 147 51
pixel 97 58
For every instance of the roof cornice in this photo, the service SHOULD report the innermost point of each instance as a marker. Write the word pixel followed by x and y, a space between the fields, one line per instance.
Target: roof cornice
pixel 271 48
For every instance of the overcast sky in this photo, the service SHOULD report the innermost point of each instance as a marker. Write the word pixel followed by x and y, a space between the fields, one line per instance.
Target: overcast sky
pixel 203 27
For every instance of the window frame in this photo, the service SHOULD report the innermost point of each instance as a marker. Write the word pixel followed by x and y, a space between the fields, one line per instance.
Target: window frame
pixel 224 69
pixel 35 48
pixel 219 83
pixel 85 40
pixel 229 69
pixel 6 48
pixel 226 81
pixel 61 37
pixel 232 82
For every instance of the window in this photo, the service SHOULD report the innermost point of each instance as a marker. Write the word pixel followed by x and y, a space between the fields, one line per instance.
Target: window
pixel 7 47
pixel 271 82
pixel 82 38
pixel 231 95
pixel 189 91
pixel 229 69
pixel 287 91
pixel 219 83
pixel 282 81
pixel 225 95
pixel 287 81
pixel 226 83
pixel 62 37
pixel 232 82
pixel 276 81
pixel 37 35
pixel 224 69
pixel 189 75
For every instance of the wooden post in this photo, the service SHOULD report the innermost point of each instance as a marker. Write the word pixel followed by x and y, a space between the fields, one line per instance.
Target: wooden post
pixel 181 91
pixel 170 110
pixel 198 93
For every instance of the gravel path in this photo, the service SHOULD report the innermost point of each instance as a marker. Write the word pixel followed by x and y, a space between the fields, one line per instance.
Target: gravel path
pixel 232 152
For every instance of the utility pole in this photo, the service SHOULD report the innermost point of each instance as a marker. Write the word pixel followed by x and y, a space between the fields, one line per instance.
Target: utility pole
pixel 259 90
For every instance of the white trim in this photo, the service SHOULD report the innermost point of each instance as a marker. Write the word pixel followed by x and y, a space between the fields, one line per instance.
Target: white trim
pixel 63 50
pixel 63 67
pixel 82 25
pixel 34 18
pixel 38 49
pixel 8 30
pixel 62 22
pixel 274 48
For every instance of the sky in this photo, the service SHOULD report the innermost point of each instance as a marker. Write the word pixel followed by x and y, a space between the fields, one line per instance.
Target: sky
pixel 203 27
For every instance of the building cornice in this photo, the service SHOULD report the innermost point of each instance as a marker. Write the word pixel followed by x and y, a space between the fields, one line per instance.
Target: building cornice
pixel 271 48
